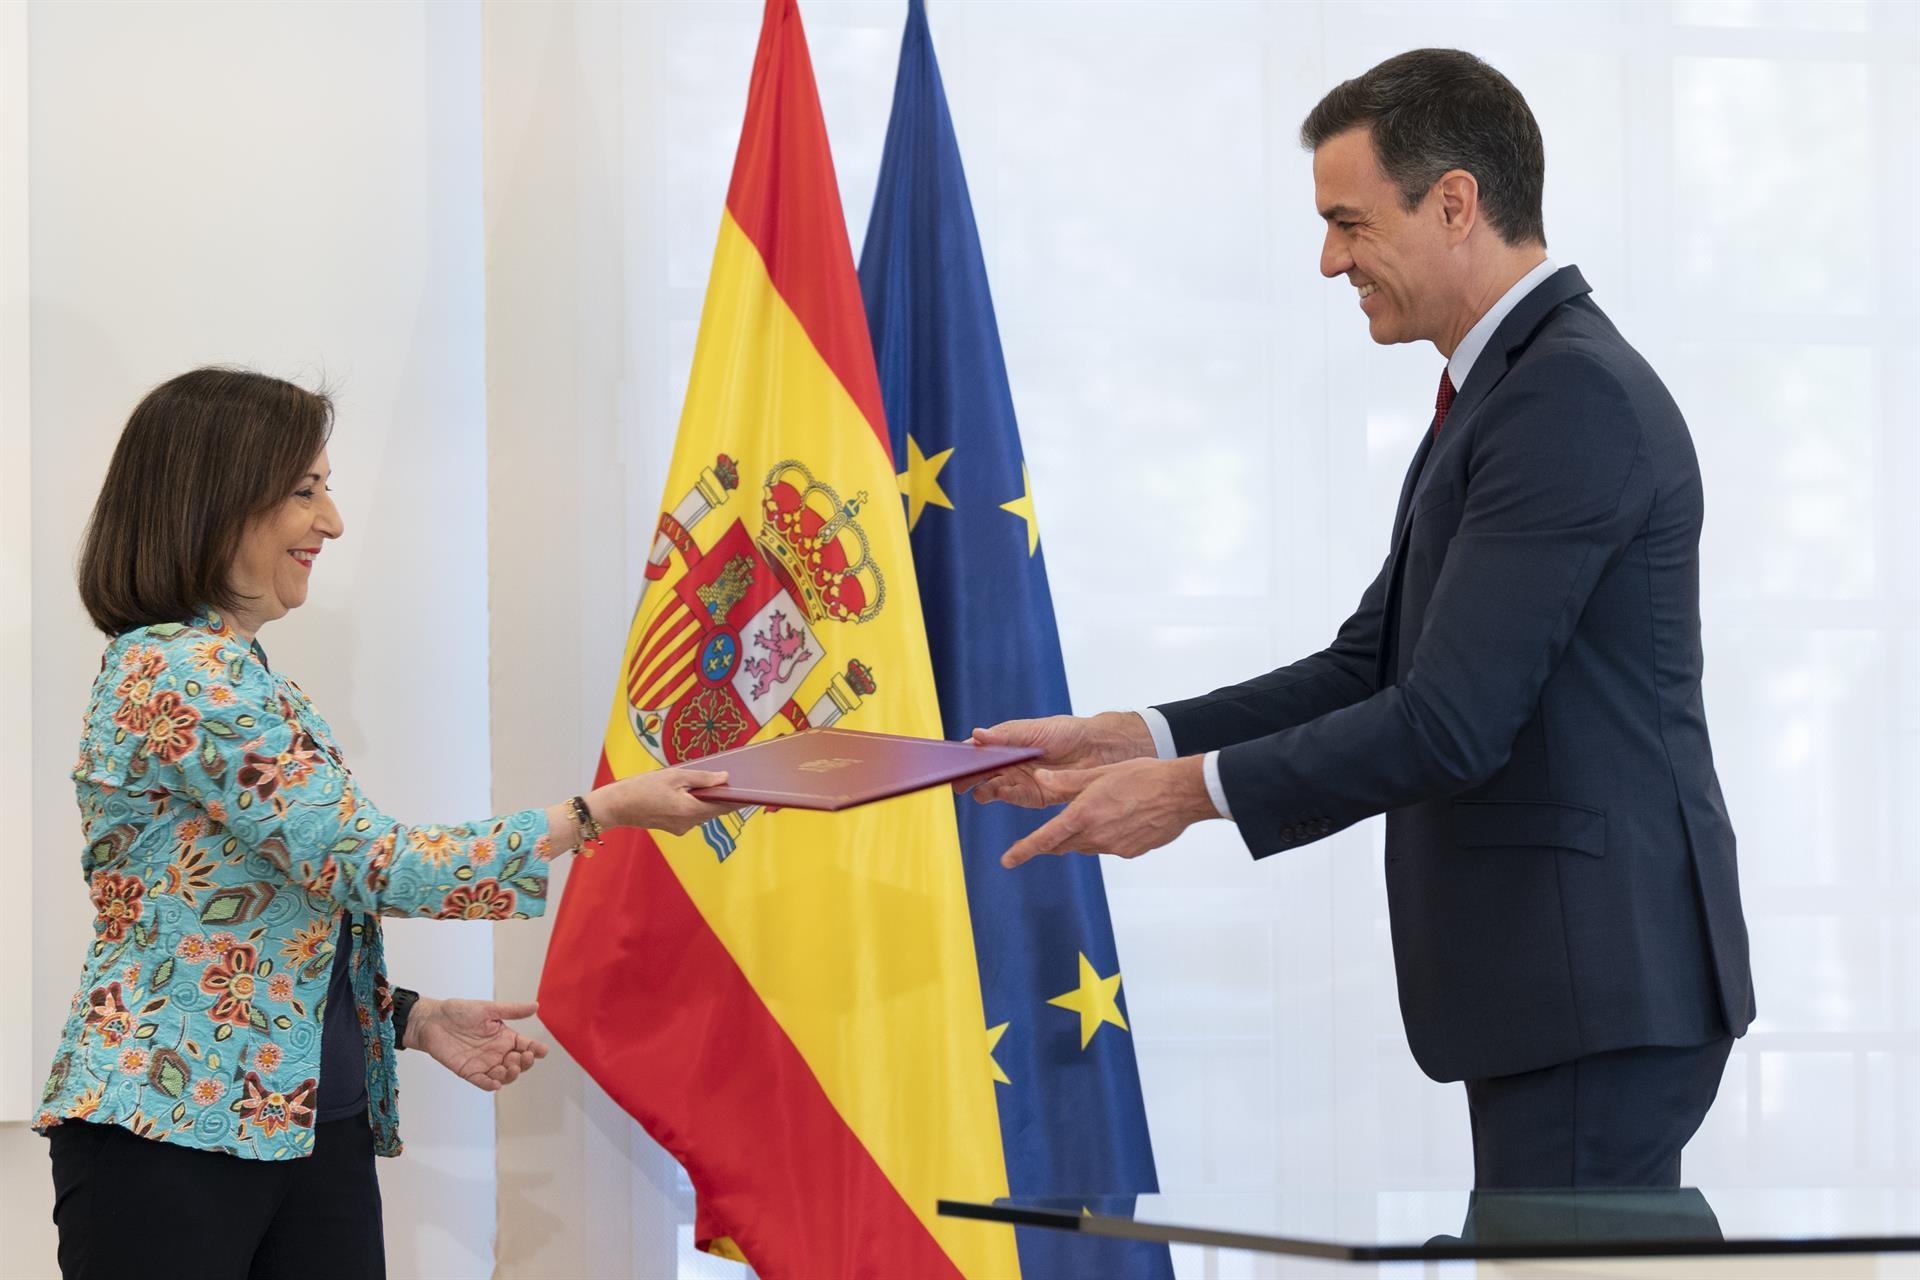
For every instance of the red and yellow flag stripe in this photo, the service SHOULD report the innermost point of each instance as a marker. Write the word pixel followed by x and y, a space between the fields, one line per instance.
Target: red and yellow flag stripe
pixel 801 1024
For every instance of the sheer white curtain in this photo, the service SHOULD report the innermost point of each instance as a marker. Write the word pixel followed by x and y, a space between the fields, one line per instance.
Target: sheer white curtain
pixel 1216 446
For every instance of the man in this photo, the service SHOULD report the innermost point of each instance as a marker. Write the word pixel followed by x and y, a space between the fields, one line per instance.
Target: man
pixel 1519 689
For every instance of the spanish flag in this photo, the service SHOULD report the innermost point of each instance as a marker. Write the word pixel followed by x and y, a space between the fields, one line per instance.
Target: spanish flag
pixel 789 1002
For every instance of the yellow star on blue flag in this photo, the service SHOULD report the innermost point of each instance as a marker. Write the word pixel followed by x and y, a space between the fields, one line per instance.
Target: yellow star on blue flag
pixel 1022 506
pixel 993 1041
pixel 920 482
pixel 1094 1000
pixel 1072 1119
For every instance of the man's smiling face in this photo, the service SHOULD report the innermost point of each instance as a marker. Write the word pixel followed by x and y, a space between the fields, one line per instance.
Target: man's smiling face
pixel 1394 257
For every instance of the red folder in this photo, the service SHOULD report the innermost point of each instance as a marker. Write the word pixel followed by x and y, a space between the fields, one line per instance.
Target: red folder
pixel 832 769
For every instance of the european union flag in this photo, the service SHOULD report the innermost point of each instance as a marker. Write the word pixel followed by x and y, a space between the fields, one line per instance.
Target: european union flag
pixel 1071 1116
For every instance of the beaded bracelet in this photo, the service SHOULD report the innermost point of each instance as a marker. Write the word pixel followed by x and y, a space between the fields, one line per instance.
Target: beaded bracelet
pixel 590 830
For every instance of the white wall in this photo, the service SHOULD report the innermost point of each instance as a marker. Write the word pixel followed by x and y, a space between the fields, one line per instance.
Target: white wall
pixel 569 210
pixel 16 577
pixel 296 188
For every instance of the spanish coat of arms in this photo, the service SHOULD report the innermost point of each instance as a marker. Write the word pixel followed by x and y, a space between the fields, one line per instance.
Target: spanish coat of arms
pixel 727 654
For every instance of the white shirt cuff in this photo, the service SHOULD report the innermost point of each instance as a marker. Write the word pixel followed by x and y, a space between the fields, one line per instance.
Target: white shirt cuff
pixel 1162 733
pixel 1210 769
pixel 1163 747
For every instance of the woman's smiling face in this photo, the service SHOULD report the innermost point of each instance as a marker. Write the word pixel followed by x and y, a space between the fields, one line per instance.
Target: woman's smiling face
pixel 275 561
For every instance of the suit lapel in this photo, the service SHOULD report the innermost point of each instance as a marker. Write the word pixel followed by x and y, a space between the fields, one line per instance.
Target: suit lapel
pixel 1408 485
pixel 1492 366
pixel 1514 333
pixel 1383 651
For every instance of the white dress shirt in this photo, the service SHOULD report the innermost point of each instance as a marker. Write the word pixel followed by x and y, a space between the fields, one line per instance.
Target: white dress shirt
pixel 1459 367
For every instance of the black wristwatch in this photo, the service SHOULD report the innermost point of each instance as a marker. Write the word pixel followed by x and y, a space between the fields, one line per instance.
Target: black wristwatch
pixel 403 1002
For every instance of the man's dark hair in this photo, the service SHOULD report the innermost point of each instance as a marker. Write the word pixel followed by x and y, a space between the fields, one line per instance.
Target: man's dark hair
pixel 201 457
pixel 1431 110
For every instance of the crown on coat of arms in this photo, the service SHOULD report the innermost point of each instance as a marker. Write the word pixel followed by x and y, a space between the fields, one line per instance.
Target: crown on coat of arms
pixel 815 545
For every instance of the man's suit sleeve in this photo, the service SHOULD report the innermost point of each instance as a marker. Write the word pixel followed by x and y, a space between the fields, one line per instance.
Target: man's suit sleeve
pixel 1339 675
pixel 1557 487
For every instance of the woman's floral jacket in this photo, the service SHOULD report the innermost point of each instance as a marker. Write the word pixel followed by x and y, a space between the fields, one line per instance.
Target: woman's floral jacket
pixel 224 838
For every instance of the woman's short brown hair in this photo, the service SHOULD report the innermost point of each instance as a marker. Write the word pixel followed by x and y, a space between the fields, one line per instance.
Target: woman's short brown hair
pixel 201 457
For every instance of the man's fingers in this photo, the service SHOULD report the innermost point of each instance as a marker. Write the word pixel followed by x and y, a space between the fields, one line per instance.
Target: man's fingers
pixel 963 785
pixel 1022 851
pixel 508 1012
pixel 1026 787
pixel 999 735
pixel 1049 838
pixel 1033 788
pixel 1058 786
pixel 984 788
pixel 992 787
pixel 1008 733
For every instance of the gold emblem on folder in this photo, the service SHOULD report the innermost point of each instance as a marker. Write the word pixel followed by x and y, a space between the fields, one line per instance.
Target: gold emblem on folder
pixel 826 765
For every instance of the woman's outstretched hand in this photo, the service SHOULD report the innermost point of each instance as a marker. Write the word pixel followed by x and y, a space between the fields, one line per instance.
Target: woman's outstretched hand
pixel 471 1038
pixel 661 800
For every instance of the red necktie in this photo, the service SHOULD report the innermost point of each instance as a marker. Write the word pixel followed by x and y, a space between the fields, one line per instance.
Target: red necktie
pixel 1442 401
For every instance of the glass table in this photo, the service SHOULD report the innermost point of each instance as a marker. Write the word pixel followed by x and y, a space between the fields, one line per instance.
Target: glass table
pixel 1409 1226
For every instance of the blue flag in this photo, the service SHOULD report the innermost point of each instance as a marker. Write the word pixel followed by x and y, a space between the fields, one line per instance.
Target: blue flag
pixel 1071 1117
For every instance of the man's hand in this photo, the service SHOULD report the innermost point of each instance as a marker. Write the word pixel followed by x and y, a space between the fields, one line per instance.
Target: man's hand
pixel 1070 742
pixel 471 1038
pixel 1123 809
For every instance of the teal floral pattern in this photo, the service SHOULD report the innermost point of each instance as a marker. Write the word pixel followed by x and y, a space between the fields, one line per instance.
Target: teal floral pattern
pixel 225 837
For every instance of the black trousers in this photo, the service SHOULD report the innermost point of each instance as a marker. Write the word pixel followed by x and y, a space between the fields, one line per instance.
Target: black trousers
pixel 1606 1120
pixel 128 1206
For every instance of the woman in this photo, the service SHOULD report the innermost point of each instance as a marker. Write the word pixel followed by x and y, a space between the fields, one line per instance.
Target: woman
pixel 225 1076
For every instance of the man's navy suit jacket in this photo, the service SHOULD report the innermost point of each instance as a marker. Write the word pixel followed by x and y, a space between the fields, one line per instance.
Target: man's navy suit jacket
pixel 1519 692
